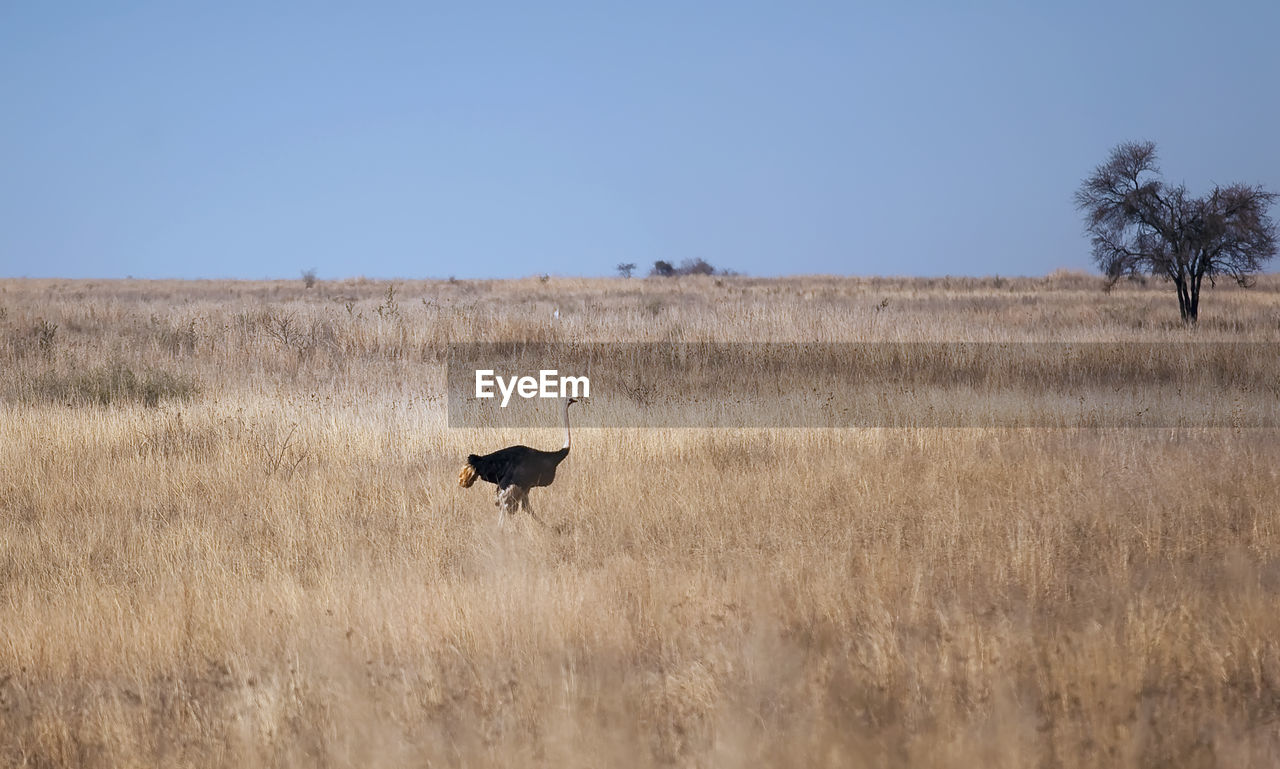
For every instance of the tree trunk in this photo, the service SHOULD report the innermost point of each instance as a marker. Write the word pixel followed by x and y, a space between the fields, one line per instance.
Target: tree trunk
pixel 1184 298
pixel 1193 301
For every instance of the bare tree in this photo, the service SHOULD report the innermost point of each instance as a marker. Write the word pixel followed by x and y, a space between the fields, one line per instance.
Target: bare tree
pixel 663 269
pixel 625 268
pixel 1138 224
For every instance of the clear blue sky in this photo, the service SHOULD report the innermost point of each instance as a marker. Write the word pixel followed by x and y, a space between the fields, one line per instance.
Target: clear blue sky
pixel 494 139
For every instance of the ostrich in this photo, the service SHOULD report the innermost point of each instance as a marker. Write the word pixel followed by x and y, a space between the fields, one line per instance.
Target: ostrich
pixel 515 470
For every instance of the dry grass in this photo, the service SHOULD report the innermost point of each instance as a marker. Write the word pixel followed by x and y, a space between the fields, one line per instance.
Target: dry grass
pixel 257 552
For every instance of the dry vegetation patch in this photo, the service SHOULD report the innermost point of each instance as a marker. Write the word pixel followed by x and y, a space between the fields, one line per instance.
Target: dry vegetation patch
pixel 230 533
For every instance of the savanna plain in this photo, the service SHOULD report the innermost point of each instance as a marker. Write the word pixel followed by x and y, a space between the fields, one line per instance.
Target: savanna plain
pixel 231 533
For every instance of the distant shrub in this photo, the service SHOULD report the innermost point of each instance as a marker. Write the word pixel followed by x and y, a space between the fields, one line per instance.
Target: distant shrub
pixel 664 269
pixel 309 277
pixel 695 267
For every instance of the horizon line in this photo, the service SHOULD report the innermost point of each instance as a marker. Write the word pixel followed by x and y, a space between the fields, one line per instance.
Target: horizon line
pixel 548 276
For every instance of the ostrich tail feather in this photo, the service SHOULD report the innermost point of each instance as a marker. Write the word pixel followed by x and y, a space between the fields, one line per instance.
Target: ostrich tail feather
pixel 467 476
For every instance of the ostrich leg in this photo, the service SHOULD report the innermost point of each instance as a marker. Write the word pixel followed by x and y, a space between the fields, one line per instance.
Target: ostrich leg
pixel 508 501
pixel 528 508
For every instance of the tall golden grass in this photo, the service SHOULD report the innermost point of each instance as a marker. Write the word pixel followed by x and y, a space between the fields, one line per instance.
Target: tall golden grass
pixel 231 534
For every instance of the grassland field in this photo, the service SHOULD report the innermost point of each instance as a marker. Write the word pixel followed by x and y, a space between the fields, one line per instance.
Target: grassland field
pixel 231 534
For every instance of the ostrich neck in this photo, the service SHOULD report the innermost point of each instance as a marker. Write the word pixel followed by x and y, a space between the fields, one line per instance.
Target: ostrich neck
pixel 566 425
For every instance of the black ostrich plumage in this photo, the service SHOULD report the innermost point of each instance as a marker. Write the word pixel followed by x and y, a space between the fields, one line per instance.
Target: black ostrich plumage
pixel 519 466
